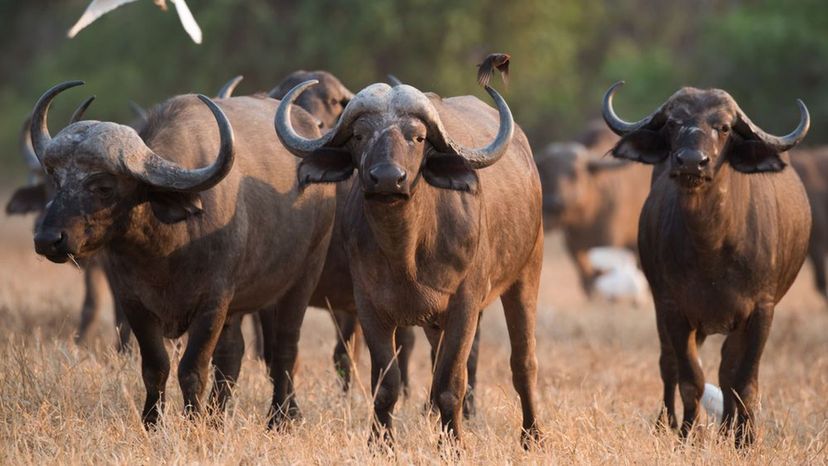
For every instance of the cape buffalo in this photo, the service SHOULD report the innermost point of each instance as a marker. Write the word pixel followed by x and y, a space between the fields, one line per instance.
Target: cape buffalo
pixel 812 166
pixel 33 199
pixel 325 101
pixel 594 201
pixel 722 237
pixel 192 240
pixel 432 235
pixel 335 291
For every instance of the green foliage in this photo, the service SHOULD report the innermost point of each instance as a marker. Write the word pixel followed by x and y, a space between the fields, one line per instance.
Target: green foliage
pixel 565 54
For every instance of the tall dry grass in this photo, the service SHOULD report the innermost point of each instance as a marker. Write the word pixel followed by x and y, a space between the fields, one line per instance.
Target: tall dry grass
pixel 598 384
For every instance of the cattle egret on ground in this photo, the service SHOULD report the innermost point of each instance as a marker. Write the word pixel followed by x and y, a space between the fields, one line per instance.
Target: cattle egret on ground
pixel 620 278
pixel 713 401
pixel 98 8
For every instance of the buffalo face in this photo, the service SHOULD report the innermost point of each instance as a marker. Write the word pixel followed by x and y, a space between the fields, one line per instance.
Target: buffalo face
pixel 569 176
pixel 564 177
pixel 393 136
pixel 696 132
pixel 392 154
pixel 88 200
pixel 100 170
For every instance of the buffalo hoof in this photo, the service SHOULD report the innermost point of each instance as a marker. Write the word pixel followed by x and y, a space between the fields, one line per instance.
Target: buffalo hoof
pixel 150 421
pixel 469 406
pixel 664 422
pixel 531 438
pixel 381 442
pixel 281 419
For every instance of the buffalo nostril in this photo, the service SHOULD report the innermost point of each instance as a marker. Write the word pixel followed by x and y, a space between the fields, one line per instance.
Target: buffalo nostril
pixel 402 178
pixel 704 161
pixel 60 242
pixel 373 175
pixel 680 159
pixel 50 242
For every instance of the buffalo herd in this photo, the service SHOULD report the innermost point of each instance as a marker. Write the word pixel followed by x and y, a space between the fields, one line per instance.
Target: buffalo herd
pixel 393 208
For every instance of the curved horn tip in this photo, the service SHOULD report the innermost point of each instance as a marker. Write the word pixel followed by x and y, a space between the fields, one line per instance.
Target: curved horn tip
pixel 38 126
pixel 229 87
pixel 803 110
pixel 77 115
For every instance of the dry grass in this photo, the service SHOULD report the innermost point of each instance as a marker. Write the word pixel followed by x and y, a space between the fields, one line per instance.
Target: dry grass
pixel 599 388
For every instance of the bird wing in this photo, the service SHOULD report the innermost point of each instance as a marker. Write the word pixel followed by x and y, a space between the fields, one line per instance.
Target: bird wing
pixel 95 10
pixel 187 20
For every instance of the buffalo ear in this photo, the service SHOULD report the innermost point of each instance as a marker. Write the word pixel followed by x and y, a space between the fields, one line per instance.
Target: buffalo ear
pixel 754 157
pixel 325 166
pixel 173 206
pixel 450 172
pixel 28 199
pixel 643 145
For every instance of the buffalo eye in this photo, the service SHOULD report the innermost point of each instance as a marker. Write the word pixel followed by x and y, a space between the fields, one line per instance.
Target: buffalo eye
pixel 334 102
pixel 724 129
pixel 103 187
pixel 419 138
pixel 103 192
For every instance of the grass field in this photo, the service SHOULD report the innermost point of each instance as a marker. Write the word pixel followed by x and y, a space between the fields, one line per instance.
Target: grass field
pixel 598 384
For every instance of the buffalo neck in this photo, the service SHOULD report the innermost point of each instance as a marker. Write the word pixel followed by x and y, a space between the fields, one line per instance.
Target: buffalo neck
pixel 400 228
pixel 708 214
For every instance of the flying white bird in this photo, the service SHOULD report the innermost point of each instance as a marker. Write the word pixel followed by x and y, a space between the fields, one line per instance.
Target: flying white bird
pixel 98 8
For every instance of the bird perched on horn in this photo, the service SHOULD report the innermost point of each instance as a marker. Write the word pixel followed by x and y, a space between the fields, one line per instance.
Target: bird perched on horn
pixel 98 8
pixel 495 61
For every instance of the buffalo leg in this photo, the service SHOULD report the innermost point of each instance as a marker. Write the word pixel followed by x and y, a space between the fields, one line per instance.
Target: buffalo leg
pixel 816 251
pixel 290 311
pixel 448 389
pixel 122 327
pixel 194 367
pixel 669 376
pixel 266 319
pixel 227 359
pixel 155 363
pixel 96 288
pixel 346 352
pixel 520 308
pixel 690 376
pixel 258 335
pixel 586 273
pixel 405 341
pixel 385 373
pixel 469 408
pixel 434 338
pixel 741 364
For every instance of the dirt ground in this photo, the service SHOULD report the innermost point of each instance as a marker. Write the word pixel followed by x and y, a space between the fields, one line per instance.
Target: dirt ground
pixel 598 384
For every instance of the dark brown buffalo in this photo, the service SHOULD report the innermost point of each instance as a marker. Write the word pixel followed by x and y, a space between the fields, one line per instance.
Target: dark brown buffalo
pixel 812 166
pixel 192 241
pixel 335 291
pixel 325 101
pixel 32 199
pixel 594 200
pixel 722 237
pixel 432 235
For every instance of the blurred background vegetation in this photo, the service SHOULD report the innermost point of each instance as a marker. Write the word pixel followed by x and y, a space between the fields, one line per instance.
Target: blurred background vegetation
pixel 565 53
